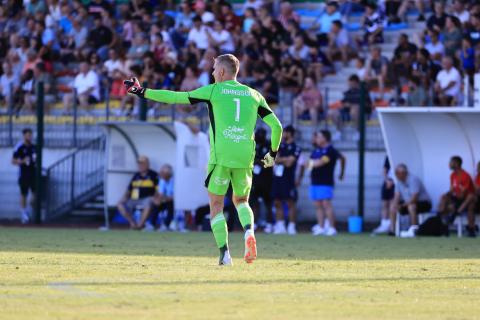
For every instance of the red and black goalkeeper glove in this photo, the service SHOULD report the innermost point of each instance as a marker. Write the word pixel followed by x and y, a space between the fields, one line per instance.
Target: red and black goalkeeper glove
pixel 133 87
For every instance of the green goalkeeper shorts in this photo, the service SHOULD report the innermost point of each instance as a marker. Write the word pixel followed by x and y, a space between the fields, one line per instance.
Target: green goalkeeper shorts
pixel 220 177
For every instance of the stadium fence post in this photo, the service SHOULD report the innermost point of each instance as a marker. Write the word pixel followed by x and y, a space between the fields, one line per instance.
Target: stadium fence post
pixel 107 101
pixel 39 147
pixel 75 114
pixel 143 105
pixel 361 152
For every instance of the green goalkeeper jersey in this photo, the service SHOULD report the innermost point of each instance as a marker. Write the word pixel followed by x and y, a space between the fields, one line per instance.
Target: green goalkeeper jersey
pixel 233 110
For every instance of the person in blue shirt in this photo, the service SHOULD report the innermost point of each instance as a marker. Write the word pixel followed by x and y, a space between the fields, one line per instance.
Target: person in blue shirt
pixel 322 163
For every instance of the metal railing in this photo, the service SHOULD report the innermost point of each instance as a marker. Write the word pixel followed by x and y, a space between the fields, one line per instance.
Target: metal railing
pixel 75 179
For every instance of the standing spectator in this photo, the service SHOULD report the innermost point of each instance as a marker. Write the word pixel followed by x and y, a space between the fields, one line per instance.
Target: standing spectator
pixel 322 162
pixel 24 157
pixel 411 198
pixel 462 191
pixel 142 187
pixel 262 180
pixel 447 87
pixel 283 184
pixel 101 38
pixel 162 201
pixel 387 195
pixel 198 34
pixel 87 85
pixel 308 104
pixel 326 20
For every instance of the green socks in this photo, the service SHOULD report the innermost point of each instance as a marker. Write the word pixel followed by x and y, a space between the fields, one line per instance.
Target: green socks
pixel 245 214
pixel 220 231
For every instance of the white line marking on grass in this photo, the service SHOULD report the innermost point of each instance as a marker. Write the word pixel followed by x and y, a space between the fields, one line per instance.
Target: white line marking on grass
pixel 70 288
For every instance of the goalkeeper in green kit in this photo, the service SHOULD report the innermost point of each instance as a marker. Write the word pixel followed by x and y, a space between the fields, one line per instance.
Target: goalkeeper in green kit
pixel 233 110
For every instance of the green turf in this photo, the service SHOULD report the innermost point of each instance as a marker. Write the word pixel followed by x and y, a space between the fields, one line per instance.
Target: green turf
pixel 79 274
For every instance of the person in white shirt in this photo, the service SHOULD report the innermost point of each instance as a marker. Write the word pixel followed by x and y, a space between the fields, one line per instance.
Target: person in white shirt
pixel 201 11
pixel 298 50
pixel 9 84
pixel 113 63
pixel 447 87
pixel 87 86
pixel 254 4
pixel 198 34
pixel 460 12
pixel 435 47
pixel 221 38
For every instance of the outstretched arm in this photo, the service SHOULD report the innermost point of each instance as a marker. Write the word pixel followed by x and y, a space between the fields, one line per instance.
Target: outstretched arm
pixel 166 96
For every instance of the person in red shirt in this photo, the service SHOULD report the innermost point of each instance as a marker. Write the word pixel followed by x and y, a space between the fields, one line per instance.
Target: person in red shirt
pixel 462 191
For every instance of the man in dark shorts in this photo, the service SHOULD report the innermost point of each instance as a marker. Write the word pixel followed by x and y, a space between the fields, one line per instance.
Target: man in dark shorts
pixel 410 198
pixel 283 184
pixel 24 156
pixel 262 180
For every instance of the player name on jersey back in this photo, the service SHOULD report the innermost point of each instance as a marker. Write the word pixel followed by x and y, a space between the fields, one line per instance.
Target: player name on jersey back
pixel 243 93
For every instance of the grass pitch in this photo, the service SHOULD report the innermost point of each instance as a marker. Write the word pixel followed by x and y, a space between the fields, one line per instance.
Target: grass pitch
pixel 86 274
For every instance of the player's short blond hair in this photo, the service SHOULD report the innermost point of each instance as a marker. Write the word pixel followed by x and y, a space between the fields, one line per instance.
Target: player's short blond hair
pixel 229 62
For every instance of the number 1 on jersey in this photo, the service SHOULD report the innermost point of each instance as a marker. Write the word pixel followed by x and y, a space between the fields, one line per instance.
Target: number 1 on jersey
pixel 237 115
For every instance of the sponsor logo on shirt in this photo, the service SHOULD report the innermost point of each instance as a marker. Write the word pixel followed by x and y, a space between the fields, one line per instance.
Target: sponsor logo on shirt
pixel 243 93
pixel 235 134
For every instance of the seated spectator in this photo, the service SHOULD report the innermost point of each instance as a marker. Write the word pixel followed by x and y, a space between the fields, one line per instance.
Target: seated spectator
pixel 322 162
pixel 138 49
pixel 405 46
pixel 392 10
pixel 360 68
pixel 201 11
pixel 112 64
pixel 87 85
pixel 101 38
pixel 287 14
pixel 372 22
pixel 319 64
pixel 248 19
pixel 230 20
pixel 198 34
pixel 424 68
pixel 308 104
pixel 474 208
pixel 338 42
pixel 435 47
pixel 9 85
pixel 350 104
pixel 448 85
pixel 410 198
pixel 220 38
pixel 326 20
pixel 417 95
pixel 437 20
pixel 461 194
pixel 141 189
pixel 377 69
pixel 467 59
pixel 162 201
pixel 266 84
pixel 40 75
pixel 252 4
pixel 452 37
pixel 473 30
pixel 298 50
pixel 159 48
pixel 460 12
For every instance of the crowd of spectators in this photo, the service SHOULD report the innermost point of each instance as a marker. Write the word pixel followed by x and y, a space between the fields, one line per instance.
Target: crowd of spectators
pixel 91 46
